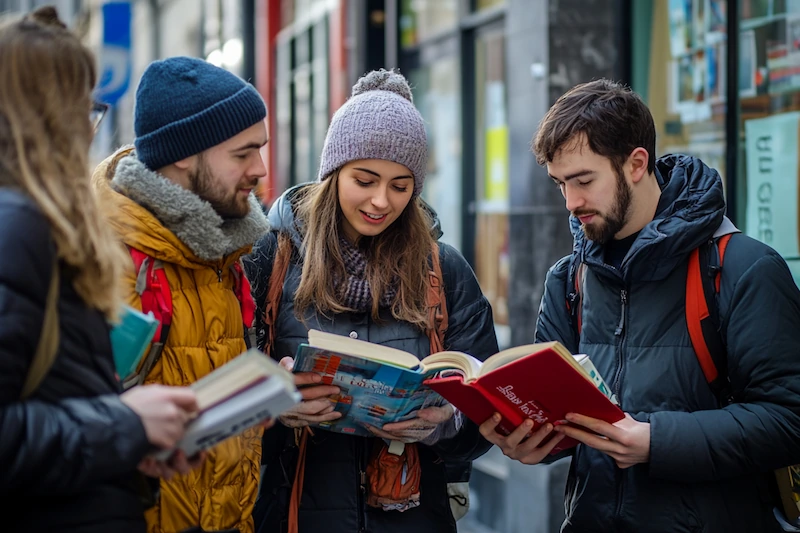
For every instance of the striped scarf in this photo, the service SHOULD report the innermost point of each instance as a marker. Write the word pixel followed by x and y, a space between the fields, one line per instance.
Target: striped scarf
pixel 357 293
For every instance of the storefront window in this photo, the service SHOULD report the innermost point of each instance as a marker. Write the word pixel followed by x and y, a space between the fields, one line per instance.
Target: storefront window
pixel 437 96
pixel 421 19
pixel 491 163
pixel 769 92
pixel 679 68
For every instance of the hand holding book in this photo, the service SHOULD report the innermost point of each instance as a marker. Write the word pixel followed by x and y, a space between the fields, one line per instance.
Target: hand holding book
pixel 430 425
pixel 316 406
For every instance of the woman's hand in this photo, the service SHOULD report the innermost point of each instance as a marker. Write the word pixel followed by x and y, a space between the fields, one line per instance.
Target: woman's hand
pixel 316 406
pixel 422 427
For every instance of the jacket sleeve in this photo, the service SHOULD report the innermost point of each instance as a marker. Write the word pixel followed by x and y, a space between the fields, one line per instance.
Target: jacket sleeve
pixel 49 447
pixel 470 329
pixel 258 268
pixel 762 431
pixel 554 323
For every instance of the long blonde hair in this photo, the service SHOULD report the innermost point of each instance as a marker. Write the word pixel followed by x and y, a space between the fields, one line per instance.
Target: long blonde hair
pixel 399 255
pixel 46 79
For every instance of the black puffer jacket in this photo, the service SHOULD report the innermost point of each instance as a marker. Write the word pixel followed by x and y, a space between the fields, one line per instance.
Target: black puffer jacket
pixel 709 467
pixel 332 499
pixel 68 454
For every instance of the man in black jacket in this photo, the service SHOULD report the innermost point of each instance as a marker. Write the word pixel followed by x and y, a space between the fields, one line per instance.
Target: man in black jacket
pixel 679 460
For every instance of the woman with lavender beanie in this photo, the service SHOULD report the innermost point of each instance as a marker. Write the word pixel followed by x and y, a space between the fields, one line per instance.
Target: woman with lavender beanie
pixel 361 241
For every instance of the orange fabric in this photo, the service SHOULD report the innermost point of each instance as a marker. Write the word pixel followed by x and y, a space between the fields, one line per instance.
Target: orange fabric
pixel 385 475
pixel 696 312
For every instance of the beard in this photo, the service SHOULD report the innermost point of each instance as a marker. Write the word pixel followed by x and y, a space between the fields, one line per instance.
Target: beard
pixel 612 222
pixel 205 185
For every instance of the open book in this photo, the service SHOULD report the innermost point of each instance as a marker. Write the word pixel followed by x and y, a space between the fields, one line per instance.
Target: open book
pixel 378 384
pixel 237 396
pixel 541 381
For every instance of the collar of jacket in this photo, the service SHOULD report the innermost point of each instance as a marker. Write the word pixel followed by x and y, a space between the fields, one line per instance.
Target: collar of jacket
pixel 691 208
pixel 165 220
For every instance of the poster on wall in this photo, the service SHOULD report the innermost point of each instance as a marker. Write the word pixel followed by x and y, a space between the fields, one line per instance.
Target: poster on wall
pixel 773 171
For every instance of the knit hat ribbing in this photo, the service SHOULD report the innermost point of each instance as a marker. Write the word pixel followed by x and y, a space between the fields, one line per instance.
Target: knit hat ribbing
pixel 378 121
pixel 185 105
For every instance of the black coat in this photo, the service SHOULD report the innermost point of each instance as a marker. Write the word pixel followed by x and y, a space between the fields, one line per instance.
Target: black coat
pixel 709 467
pixel 68 454
pixel 332 500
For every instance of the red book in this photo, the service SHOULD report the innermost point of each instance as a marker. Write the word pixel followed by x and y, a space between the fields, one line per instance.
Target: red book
pixel 541 381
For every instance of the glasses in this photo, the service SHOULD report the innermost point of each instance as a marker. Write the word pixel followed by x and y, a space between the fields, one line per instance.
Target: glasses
pixel 97 113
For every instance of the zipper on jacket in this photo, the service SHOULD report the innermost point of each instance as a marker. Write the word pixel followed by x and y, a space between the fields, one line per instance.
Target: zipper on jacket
pixel 623 298
pixel 617 385
pixel 619 333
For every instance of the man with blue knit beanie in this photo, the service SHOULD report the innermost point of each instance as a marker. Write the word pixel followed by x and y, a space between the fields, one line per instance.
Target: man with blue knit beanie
pixel 182 199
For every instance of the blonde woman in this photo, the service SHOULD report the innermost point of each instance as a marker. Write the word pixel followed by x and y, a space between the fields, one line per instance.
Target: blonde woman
pixel 72 450
pixel 361 245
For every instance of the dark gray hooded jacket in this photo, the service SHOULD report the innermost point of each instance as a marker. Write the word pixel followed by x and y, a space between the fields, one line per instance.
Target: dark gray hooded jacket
pixel 332 499
pixel 710 467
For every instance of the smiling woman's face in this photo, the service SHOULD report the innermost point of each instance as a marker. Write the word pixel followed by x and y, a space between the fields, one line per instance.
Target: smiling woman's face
pixel 372 194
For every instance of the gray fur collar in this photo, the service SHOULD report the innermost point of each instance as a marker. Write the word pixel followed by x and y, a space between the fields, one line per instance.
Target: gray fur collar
pixel 191 219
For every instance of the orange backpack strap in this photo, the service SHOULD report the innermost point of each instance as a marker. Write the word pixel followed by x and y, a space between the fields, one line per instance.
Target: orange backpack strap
pixel 702 314
pixel 280 266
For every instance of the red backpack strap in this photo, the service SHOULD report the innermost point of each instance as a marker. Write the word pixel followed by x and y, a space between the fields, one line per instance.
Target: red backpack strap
pixel 436 303
pixel 241 288
pixel 702 314
pixel 153 289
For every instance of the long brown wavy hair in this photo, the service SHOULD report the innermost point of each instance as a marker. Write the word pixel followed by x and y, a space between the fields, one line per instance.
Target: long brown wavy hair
pixel 46 81
pixel 398 255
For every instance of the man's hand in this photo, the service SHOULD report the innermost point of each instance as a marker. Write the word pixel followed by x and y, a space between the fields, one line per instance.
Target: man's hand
pixel 418 428
pixel 528 452
pixel 626 441
pixel 315 406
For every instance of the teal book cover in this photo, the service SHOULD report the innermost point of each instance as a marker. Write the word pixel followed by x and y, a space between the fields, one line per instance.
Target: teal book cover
pixel 130 338
pixel 371 392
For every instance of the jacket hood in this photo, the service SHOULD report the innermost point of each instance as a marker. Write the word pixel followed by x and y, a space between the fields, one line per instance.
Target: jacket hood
pixel 691 208
pixel 168 222
pixel 282 216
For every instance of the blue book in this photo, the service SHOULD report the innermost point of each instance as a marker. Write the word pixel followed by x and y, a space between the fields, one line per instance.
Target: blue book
pixel 130 338
pixel 378 384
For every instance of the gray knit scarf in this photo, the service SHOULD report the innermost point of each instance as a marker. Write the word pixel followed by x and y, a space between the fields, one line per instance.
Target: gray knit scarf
pixel 357 295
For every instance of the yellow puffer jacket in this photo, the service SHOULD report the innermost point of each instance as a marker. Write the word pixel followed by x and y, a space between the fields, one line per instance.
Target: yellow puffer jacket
pixel 197 249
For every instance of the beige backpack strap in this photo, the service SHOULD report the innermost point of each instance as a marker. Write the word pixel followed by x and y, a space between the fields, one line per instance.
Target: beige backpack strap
pixel 47 348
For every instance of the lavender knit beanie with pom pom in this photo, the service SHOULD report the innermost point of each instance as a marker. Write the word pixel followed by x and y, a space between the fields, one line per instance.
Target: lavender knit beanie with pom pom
pixel 378 121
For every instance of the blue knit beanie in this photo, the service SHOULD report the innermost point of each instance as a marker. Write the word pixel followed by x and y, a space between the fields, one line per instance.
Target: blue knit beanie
pixel 378 121
pixel 185 105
